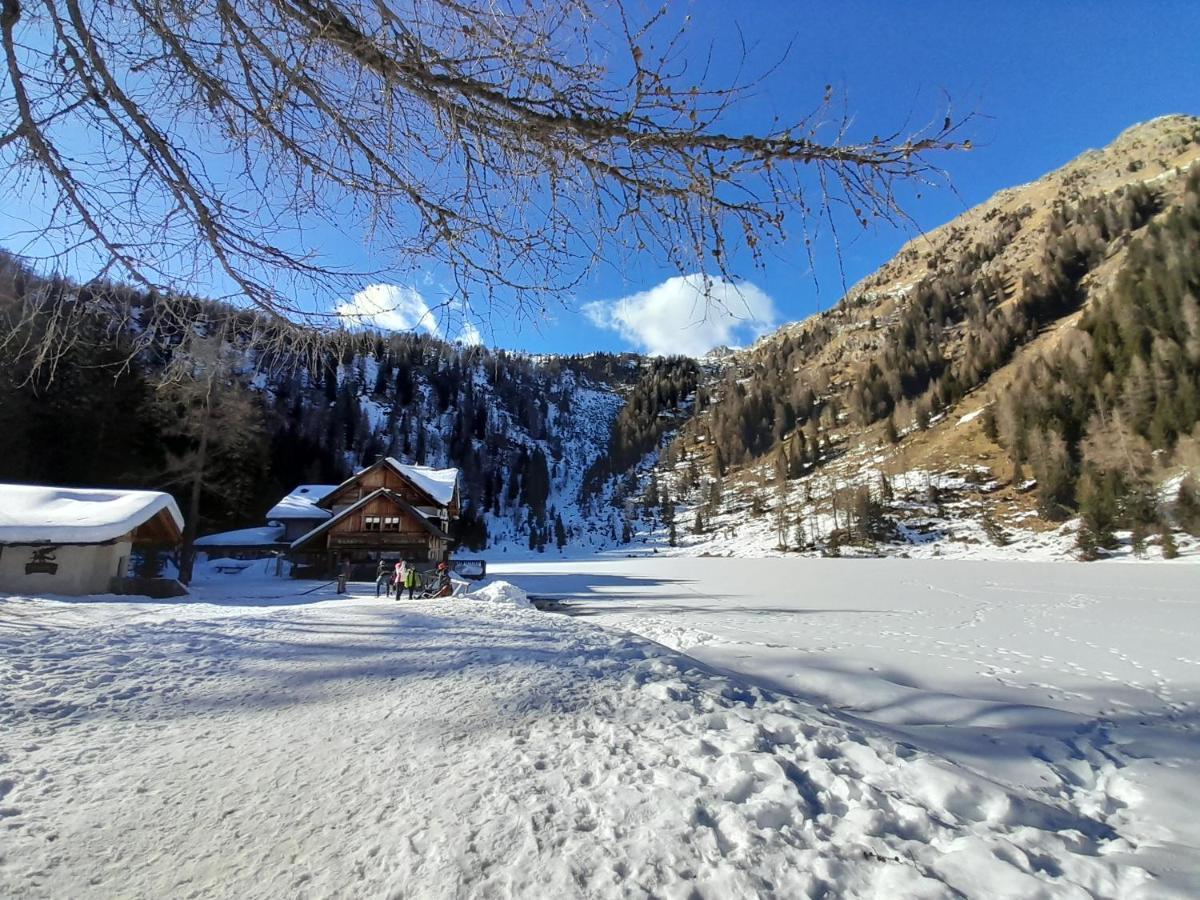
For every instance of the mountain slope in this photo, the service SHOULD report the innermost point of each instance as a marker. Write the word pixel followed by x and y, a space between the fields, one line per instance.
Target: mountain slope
pixel 123 406
pixel 966 398
pixel 816 414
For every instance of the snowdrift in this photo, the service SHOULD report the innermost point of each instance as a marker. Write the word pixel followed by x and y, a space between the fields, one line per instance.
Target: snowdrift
pixel 501 593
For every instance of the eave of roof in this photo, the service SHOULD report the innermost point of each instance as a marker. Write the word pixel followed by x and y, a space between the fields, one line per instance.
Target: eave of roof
pixel 395 466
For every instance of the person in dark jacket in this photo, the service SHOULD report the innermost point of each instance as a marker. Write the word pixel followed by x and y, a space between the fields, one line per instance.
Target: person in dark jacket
pixel 381 578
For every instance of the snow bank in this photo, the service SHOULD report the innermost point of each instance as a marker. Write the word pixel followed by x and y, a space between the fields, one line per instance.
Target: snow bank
pixel 971 416
pixel 35 513
pixel 501 593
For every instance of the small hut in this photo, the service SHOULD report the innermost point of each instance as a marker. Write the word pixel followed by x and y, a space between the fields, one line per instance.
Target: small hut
pixel 75 541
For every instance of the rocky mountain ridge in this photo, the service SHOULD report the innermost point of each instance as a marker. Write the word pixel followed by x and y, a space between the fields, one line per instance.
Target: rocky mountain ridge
pixel 893 382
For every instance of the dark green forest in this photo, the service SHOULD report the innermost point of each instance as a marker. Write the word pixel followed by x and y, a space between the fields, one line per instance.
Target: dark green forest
pixel 110 406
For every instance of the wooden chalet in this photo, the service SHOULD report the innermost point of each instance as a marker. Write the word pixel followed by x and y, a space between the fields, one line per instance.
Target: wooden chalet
pixel 389 510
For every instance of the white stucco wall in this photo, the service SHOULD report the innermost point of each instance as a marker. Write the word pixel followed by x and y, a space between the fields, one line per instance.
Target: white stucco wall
pixel 82 569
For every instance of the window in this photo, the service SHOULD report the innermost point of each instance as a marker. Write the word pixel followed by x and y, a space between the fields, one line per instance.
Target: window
pixel 371 523
pixel 391 523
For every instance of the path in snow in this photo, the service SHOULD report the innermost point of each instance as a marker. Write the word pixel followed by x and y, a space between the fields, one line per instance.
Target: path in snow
pixel 1076 684
pixel 361 747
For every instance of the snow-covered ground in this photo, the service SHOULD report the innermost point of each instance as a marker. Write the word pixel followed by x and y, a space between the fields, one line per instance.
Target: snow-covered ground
pixel 1066 684
pixel 256 741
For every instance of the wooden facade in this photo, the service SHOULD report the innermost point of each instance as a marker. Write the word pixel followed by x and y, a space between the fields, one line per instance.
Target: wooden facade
pixel 162 529
pixel 380 514
pixel 383 523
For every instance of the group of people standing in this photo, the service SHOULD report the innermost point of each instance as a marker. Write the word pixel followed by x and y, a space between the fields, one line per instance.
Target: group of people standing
pixel 402 576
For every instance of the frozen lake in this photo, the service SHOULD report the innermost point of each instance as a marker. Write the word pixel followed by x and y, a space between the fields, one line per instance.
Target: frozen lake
pixel 1063 680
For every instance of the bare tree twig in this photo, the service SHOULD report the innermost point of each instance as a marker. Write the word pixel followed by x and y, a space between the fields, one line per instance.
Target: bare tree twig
pixel 504 144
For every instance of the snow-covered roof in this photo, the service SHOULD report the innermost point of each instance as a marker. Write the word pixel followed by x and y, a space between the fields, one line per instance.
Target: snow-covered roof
pixel 301 503
pixel 244 537
pixel 32 513
pixel 437 483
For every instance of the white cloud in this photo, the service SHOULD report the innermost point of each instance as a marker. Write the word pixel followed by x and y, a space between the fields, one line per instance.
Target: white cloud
pixel 469 335
pixel 680 316
pixel 391 307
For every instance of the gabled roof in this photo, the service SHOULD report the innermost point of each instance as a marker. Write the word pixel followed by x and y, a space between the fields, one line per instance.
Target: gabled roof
pixel 268 536
pixel 350 510
pixel 31 513
pixel 301 503
pixel 439 485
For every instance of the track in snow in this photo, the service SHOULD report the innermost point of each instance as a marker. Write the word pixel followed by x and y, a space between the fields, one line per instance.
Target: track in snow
pixel 360 747
pixel 1076 684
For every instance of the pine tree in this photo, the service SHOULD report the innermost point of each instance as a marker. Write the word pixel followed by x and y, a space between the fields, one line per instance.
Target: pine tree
pixel 757 504
pixel 1170 550
pixel 1098 512
pixel 419 452
pixel 650 500
pixel 715 493
pixel 668 508
pixel 535 485
pixel 1052 469
pixel 1187 506
pixel 1138 539
pixel 890 434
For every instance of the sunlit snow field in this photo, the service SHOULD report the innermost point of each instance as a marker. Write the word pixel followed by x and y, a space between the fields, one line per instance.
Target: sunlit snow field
pixel 1075 683
pixel 862 728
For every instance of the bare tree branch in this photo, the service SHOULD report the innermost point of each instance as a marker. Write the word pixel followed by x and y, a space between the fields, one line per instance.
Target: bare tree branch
pixel 513 146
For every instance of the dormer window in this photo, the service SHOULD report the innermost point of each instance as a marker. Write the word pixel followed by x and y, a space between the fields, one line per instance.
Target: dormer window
pixel 381 523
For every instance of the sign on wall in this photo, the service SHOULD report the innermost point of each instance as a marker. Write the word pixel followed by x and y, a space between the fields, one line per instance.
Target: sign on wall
pixel 377 540
pixel 42 561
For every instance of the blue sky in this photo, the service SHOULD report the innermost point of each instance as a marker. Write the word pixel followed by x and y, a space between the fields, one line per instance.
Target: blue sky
pixel 1047 79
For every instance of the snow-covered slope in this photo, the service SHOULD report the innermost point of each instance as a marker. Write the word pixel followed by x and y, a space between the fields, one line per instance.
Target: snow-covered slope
pixel 959 512
pixel 578 434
